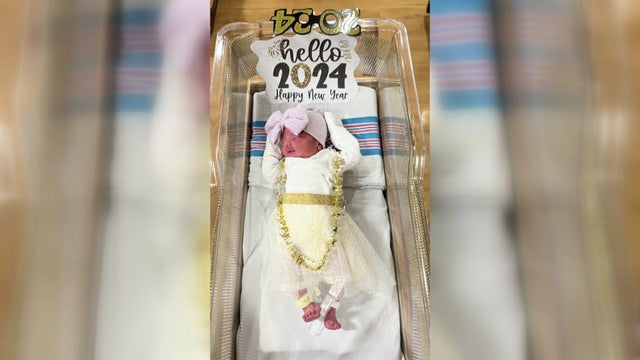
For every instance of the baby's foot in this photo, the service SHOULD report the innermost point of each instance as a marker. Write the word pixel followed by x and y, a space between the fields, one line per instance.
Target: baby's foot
pixel 331 321
pixel 311 312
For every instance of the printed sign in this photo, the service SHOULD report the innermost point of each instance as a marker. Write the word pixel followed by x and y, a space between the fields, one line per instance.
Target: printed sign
pixel 313 68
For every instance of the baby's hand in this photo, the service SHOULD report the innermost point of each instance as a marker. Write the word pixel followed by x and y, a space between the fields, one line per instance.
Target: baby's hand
pixel 277 151
pixel 274 150
pixel 274 127
pixel 332 120
pixel 343 140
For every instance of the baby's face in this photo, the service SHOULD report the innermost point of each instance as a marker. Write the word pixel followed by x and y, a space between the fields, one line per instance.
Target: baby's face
pixel 302 145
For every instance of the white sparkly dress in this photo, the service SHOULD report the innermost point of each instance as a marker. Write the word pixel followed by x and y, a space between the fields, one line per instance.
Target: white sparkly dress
pixel 351 263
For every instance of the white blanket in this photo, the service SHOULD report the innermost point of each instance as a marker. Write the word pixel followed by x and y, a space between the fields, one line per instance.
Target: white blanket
pixel 271 326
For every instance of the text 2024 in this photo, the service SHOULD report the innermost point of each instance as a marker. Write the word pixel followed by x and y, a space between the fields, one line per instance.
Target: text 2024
pixel 330 21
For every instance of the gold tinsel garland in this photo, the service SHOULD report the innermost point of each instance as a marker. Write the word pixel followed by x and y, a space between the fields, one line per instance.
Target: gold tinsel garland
pixel 298 257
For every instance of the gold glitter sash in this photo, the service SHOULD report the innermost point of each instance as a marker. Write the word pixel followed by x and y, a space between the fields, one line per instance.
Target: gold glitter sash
pixel 308 199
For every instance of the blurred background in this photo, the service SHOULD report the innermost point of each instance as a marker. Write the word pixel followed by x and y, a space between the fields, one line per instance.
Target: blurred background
pixel 534 202
pixel 534 179
pixel 104 180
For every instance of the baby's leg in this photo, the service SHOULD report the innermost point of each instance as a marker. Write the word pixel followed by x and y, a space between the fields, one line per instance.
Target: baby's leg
pixel 310 309
pixel 331 320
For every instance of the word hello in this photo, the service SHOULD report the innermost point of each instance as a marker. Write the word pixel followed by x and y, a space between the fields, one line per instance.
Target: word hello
pixel 316 51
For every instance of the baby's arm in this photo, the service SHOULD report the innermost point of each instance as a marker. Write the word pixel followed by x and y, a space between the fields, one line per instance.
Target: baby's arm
pixel 270 162
pixel 343 140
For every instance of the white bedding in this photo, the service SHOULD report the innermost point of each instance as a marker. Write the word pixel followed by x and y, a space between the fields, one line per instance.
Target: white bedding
pixel 270 324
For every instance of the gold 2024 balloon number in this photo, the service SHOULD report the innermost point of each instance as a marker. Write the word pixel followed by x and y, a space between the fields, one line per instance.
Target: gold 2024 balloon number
pixel 330 21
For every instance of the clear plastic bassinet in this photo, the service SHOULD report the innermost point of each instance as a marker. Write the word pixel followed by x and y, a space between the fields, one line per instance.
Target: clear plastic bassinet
pixel 385 73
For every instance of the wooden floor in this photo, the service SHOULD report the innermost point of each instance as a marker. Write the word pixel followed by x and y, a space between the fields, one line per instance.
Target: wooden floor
pixel 630 172
pixel 12 190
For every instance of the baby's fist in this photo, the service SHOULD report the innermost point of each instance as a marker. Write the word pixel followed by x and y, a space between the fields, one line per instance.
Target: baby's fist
pixel 332 119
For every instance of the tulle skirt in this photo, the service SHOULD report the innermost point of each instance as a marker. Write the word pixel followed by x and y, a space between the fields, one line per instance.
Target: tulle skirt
pixel 352 264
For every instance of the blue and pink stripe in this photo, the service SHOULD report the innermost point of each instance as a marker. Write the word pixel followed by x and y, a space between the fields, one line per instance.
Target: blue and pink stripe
pixel 138 59
pixel 365 129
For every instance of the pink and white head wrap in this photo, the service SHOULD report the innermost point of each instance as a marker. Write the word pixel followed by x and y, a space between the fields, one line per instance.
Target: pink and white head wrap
pixel 297 119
